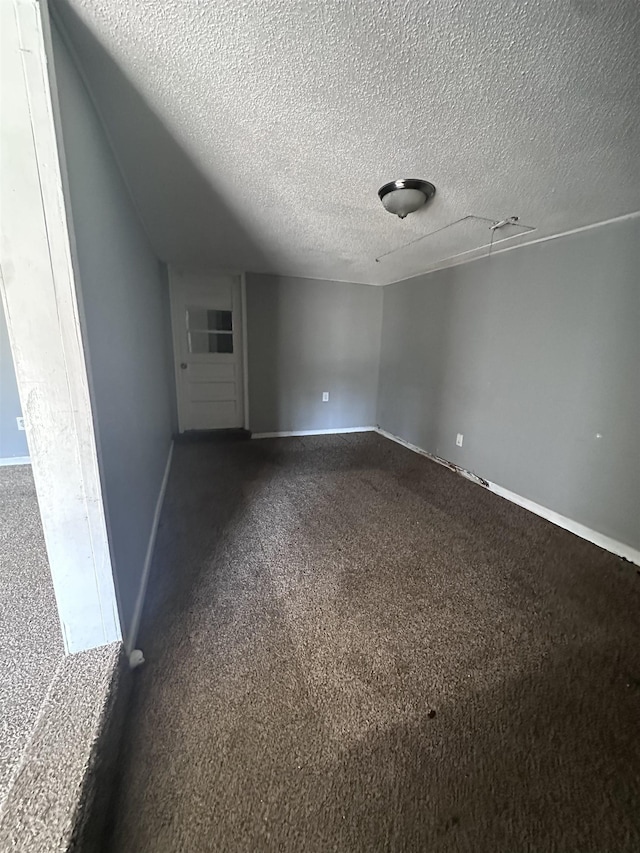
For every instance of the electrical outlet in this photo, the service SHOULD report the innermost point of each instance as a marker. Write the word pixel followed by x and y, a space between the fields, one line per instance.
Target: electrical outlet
pixel 459 439
pixel 325 396
pixel 20 422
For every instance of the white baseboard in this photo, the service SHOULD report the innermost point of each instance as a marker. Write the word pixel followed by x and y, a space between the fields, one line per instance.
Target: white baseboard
pixel 15 460
pixel 606 542
pixel 301 432
pixel 130 642
pixel 600 539
pixel 413 447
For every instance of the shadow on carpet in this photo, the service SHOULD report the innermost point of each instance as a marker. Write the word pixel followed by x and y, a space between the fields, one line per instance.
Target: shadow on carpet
pixel 351 648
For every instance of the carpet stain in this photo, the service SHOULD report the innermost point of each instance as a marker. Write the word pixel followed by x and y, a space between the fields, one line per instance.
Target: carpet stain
pixel 313 603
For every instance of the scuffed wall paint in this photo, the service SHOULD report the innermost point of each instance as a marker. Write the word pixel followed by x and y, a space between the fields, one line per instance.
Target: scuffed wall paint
pixel 533 355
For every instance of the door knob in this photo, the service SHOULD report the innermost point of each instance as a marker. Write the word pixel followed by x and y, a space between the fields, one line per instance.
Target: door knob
pixel 183 365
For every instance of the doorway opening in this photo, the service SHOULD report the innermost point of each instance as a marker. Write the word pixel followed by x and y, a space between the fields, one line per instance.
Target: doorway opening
pixel 209 342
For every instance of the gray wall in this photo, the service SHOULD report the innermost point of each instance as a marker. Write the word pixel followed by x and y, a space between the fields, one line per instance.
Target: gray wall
pixel 13 442
pixel 306 337
pixel 531 355
pixel 125 300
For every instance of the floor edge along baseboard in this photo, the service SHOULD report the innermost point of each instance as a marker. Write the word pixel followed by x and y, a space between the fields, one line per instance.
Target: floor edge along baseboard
pixel 142 590
pixel 6 461
pixel 302 432
pixel 606 542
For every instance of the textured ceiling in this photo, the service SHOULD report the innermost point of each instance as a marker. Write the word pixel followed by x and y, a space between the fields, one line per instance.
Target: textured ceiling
pixel 254 135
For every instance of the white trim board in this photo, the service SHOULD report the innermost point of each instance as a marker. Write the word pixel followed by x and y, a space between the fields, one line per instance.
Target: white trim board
pixel 5 461
pixel 132 635
pixel 245 348
pixel 302 432
pixel 40 289
pixel 606 542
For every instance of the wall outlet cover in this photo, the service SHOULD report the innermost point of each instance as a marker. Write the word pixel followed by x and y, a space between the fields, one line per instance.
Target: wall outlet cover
pixel 459 439
pixel 325 396
pixel 20 422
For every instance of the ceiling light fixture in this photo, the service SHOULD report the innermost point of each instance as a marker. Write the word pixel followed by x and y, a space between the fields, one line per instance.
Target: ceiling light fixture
pixel 406 195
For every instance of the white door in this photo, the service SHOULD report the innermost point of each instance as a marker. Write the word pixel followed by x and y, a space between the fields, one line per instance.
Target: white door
pixel 207 334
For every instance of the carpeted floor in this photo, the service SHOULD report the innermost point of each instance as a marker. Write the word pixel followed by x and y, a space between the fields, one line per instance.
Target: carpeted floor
pixel 30 641
pixel 350 648
pixel 59 791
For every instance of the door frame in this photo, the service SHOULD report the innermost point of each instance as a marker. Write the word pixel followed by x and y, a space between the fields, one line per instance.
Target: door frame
pixel 176 340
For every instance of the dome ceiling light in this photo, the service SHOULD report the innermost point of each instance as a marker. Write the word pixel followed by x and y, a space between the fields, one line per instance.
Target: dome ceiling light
pixel 406 195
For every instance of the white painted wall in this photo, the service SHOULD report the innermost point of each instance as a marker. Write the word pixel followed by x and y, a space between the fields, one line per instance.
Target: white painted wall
pixel 126 305
pixel 42 311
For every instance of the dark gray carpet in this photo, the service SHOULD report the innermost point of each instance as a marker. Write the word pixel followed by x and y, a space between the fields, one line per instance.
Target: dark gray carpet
pixel 58 788
pixel 30 637
pixel 350 648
